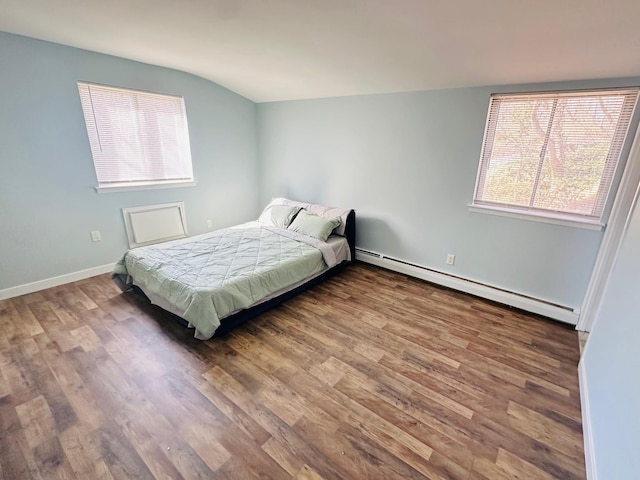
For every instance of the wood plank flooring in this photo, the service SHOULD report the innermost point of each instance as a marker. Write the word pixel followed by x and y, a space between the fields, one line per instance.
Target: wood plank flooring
pixel 370 375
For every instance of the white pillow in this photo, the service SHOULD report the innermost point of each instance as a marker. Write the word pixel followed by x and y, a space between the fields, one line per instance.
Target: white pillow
pixel 320 210
pixel 278 215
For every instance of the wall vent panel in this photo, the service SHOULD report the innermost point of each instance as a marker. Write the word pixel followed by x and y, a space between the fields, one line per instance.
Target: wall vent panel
pixel 154 223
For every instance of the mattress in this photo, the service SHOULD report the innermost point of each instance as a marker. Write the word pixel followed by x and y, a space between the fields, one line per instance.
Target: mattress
pixel 208 277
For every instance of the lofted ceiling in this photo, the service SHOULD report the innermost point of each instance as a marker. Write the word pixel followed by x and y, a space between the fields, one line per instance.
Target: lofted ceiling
pixel 270 50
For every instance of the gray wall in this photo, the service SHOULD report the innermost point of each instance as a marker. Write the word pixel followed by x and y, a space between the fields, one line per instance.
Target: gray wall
pixel 48 204
pixel 408 162
pixel 612 366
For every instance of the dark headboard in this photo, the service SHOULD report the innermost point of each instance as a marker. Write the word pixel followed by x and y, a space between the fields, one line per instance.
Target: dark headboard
pixel 350 233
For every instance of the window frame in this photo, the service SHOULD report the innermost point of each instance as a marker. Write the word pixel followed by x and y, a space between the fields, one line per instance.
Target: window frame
pixel 181 138
pixel 548 215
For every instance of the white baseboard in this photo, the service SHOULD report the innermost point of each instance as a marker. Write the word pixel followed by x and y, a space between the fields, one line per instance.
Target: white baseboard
pixel 529 304
pixel 55 281
pixel 587 431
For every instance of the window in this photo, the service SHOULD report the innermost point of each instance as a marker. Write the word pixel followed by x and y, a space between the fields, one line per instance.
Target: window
pixel 553 154
pixel 137 138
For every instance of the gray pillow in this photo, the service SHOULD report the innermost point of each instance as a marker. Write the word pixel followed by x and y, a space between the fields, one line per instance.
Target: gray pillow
pixel 313 225
pixel 278 215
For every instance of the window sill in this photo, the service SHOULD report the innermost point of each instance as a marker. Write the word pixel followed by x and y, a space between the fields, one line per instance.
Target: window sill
pixel 130 187
pixel 556 219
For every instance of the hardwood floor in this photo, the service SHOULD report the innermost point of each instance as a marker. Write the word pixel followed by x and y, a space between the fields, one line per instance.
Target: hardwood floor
pixel 368 375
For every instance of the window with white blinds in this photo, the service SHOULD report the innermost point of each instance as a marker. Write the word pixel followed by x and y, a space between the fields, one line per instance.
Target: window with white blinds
pixel 137 138
pixel 553 153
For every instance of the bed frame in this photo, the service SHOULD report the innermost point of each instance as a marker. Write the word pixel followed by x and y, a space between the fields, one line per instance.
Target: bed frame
pixel 232 321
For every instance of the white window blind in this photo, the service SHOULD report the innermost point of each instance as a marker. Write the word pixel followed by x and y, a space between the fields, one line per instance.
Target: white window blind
pixel 136 138
pixel 553 152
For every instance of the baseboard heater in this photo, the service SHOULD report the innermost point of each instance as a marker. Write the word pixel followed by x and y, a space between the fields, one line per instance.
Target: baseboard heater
pixel 541 307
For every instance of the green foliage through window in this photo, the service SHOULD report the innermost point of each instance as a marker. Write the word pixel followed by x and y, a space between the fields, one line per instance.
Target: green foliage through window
pixel 554 152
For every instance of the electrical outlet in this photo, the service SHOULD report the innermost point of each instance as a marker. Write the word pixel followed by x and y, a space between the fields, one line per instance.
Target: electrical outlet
pixel 209 224
pixel 451 259
pixel 95 236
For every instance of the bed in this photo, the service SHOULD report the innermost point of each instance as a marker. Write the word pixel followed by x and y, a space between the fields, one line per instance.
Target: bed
pixel 218 280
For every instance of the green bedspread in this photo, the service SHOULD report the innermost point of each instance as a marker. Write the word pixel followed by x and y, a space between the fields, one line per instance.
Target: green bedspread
pixel 208 277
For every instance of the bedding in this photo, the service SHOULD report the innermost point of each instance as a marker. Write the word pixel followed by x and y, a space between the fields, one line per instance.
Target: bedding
pixel 321 211
pixel 206 278
pixel 313 225
pixel 279 215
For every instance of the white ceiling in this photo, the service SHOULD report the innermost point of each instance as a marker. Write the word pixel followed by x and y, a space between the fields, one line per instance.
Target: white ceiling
pixel 269 50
